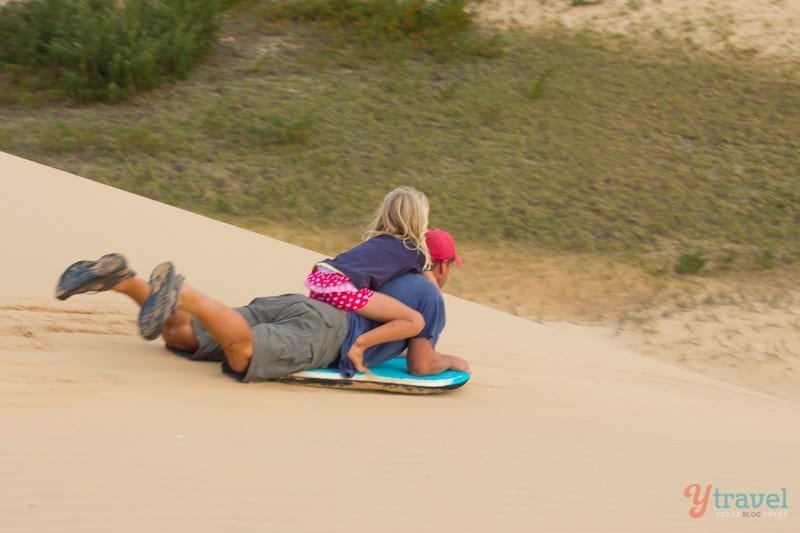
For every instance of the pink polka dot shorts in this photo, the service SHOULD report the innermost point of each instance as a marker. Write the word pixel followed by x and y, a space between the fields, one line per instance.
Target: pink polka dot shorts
pixel 337 290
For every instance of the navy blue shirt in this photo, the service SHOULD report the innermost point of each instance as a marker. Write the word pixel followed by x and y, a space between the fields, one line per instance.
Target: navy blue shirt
pixel 417 292
pixel 377 260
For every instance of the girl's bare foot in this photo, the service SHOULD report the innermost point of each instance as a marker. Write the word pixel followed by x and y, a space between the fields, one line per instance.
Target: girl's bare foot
pixel 356 356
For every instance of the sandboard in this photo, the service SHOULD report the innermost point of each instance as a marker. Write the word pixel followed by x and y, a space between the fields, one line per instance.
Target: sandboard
pixel 390 376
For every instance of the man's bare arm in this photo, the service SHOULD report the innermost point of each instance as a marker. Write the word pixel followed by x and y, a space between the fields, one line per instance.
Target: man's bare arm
pixel 423 360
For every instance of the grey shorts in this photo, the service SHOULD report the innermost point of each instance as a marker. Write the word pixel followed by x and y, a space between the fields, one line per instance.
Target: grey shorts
pixel 290 333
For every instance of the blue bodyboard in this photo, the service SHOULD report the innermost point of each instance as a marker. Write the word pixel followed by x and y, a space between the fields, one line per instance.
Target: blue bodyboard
pixel 390 376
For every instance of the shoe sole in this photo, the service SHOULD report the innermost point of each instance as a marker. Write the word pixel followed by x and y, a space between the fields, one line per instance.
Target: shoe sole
pixel 158 305
pixel 105 267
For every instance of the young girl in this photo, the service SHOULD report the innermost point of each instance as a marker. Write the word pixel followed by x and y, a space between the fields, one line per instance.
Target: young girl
pixel 394 245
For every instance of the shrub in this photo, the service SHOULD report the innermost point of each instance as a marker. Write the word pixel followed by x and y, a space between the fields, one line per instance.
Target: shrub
pixel 107 49
pixel 690 263
pixel 439 26
pixel 765 259
pixel 390 17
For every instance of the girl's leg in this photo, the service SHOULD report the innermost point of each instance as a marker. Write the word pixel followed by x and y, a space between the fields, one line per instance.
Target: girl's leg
pixel 399 322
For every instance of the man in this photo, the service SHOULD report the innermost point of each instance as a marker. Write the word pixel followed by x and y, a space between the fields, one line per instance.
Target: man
pixel 278 335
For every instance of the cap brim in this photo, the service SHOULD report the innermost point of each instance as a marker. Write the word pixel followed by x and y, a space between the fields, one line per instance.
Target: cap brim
pixel 458 260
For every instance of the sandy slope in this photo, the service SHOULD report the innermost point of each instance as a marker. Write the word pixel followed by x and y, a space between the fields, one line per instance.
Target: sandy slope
pixel 770 28
pixel 743 330
pixel 557 431
pixel 561 429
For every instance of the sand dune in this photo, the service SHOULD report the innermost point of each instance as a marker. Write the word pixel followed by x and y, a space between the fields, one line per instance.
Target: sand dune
pixel 557 431
pixel 562 428
pixel 746 332
pixel 766 28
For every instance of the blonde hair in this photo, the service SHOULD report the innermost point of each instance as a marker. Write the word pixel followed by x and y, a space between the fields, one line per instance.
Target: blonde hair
pixel 403 214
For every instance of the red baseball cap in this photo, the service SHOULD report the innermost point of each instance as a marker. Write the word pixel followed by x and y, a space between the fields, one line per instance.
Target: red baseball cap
pixel 441 246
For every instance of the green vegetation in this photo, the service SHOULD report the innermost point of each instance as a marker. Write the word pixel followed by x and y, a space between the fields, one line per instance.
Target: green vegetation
pixel 383 19
pixel 690 263
pixel 392 28
pixel 105 49
pixel 553 139
pixel 765 259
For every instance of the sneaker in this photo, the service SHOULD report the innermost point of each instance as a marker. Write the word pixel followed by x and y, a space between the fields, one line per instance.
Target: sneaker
pixel 165 286
pixel 93 276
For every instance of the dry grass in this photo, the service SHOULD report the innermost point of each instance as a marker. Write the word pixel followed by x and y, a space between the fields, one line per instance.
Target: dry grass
pixel 563 146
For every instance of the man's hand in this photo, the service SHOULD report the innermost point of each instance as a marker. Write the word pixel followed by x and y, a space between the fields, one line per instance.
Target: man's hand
pixel 424 360
pixel 457 363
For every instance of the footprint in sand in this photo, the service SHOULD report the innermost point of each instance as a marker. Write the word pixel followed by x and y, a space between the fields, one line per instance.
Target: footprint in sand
pixel 27 326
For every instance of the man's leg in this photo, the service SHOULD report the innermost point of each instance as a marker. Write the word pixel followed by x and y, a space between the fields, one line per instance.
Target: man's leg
pixel 178 332
pixel 111 272
pixel 171 299
pixel 226 326
pixel 135 288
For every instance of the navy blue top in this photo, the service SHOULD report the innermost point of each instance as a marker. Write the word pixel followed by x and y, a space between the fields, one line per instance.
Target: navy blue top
pixel 417 292
pixel 377 260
